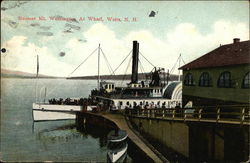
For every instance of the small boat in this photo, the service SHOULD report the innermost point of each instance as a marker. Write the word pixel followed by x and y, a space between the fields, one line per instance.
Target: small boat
pixel 117 146
pixel 117 151
pixel 117 135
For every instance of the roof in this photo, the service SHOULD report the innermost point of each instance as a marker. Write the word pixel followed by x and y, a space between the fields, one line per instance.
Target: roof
pixel 226 55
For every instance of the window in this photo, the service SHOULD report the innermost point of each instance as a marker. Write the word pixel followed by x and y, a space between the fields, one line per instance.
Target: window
pixel 246 81
pixel 224 80
pixel 204 80
pixel 189 80
pixel 120 103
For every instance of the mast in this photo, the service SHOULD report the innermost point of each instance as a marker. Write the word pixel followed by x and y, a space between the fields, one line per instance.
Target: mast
pixel 164 75
pixel 37 72
pixel 98 80
pixel 167 76
pixel 45 91
pixel 179 76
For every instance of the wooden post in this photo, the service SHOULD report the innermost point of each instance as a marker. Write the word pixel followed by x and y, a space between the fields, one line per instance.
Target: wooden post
pixel 200 110
pixel 242 115
pixel 163 113
pixel 148 113
pixel 218 115
pixel 173 114
pixel 185 115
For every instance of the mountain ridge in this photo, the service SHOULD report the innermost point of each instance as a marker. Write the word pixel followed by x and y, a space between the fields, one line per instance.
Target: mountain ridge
pixel 5 73
pixel 20 74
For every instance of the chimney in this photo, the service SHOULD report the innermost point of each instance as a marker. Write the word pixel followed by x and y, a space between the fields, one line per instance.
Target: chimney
pixel 134 76
pixel 236 40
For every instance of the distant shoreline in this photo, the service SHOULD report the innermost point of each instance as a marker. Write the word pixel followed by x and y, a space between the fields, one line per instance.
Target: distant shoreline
pixel 27 77
pixel 118 77
pixel 102 77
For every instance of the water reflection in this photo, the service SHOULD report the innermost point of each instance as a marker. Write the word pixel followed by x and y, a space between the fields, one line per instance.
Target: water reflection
pixel 68 133
pixel 59 134
pixel 97 132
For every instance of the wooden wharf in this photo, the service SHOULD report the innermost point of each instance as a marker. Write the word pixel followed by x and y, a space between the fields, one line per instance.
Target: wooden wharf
pixel 120 121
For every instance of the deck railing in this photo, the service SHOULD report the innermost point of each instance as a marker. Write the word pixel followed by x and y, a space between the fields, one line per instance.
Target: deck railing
pixel 219 114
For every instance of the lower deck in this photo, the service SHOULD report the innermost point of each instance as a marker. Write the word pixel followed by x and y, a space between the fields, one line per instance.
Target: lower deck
pixel 144 103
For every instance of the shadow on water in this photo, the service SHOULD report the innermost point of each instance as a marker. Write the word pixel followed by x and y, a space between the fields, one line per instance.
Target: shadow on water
pixel 101 132
pixel 96 132
pixel 54 134
pixel 63 132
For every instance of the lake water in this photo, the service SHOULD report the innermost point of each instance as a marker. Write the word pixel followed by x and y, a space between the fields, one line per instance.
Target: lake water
pixel 23 140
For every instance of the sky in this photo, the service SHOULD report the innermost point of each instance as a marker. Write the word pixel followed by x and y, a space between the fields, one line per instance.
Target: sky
pixel 189 28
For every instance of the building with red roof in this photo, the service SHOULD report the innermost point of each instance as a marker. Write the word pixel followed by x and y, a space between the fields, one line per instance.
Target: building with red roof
pixel 219 77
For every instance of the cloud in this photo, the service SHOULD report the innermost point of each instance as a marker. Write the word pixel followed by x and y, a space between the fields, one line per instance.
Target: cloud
pixel 22 57
pixel 185 38
pixel 112 47
pixel 45 33
pixel 10 5
pixel 189 41
pixel 224 31
pixel 154 49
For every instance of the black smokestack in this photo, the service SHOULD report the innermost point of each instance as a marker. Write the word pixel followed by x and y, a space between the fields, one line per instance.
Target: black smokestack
pixel 134 77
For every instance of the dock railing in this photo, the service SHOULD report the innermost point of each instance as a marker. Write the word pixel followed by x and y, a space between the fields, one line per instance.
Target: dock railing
pixel 232 114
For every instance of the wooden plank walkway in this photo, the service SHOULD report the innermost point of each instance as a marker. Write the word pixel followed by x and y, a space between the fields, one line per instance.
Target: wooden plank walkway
pixel 120 121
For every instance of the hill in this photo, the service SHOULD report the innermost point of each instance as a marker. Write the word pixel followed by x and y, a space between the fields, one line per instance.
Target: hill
pixel 20 74
pixel 141 76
